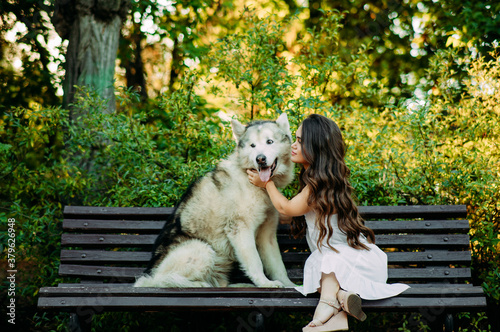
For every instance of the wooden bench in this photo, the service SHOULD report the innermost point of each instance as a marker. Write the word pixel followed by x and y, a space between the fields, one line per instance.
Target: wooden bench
pixel 105 248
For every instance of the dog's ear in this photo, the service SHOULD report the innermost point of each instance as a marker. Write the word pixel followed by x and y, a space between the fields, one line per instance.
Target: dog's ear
pixel 238 130
pixel 284 125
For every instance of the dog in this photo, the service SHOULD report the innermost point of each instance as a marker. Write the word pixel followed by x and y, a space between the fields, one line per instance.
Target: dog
pixel 223 219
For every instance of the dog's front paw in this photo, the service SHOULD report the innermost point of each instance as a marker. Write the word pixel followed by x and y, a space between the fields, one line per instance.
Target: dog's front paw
pixel 290 284
pixel 272 284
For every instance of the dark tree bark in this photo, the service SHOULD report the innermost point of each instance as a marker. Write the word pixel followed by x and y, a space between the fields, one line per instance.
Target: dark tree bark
pixel 175 68
pixel 314 13
pixel 131 60
pixel 93 30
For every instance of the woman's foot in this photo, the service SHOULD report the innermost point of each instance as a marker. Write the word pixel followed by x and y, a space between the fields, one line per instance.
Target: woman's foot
pixel 324 311
pixel 351 303
pixel 337 322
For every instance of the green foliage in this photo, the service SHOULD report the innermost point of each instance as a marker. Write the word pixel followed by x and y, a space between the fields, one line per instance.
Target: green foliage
pixel 120 159
pixel 267 80
pixel 34 82
pixel 135 159
pixel 442 150
pixel 250 62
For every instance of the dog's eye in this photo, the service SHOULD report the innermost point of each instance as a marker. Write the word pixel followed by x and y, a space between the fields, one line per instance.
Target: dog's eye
pixel 270 141
pixel 252 145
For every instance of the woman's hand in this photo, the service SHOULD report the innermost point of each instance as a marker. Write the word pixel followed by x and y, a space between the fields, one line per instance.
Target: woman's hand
pixel 297 206
pixel 253 177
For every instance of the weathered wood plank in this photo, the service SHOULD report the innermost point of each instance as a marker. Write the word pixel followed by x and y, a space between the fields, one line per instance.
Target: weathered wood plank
pixel 103 257
pixel 394 274
pixel 429 274
pixel 93 271
pixel 418 226
pixel 107 240
pixel 429 257
pixel 130 213
pixel 383 240
pixel 368 212
pixel 401 258
pixel 408 226
pixel 132 303
pixel 105 290
pixel 398 241
pixel 427 240
pixel 113 226
pixel 155 226
pixel 414 211
pixel 138 257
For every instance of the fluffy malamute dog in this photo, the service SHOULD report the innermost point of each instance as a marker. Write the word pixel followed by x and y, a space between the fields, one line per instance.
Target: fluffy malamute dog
pixel 223 218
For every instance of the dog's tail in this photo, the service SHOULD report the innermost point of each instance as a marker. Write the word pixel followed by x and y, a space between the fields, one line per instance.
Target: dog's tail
pixel 192 263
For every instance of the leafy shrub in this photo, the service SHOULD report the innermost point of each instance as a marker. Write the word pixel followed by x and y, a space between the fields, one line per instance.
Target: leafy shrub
pixel 118 159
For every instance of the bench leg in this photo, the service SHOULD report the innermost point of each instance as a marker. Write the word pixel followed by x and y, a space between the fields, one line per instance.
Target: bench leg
pixel 443 322
pixel 255 322
pixel 260 323
pixel 78 323
pixel 448 323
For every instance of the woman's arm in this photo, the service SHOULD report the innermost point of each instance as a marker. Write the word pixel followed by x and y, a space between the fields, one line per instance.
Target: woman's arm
pixel 297 206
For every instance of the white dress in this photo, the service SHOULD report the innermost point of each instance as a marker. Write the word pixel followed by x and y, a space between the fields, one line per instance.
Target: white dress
pixel 358 270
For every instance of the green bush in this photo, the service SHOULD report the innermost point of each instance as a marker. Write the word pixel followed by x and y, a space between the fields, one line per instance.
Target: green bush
pixel 125 158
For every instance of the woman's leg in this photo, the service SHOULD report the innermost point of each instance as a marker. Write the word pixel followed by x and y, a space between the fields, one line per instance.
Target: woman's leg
pixel 329 289
pixel 351 303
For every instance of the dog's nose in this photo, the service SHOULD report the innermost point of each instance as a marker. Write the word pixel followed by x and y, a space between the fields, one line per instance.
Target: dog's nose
pixel 261 159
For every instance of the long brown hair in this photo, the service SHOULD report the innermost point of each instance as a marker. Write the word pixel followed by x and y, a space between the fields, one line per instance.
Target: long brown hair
pixel 328 179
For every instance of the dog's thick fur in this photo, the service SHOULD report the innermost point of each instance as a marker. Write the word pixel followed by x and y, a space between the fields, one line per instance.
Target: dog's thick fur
pixel 223 218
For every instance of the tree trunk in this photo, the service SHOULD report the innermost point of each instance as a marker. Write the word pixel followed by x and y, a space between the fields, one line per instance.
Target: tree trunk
pixel 131 60
pixel 314 13
pixel 93 30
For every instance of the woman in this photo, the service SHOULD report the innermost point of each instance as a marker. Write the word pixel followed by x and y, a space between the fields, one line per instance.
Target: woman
pixel 345 265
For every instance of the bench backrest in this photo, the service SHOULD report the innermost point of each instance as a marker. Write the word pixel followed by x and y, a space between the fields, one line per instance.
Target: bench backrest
pixel 424 244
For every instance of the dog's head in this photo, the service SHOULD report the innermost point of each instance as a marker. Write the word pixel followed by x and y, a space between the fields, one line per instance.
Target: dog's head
pixel 266 147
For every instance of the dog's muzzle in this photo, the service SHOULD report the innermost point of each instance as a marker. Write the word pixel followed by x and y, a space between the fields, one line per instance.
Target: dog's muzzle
pixel 265 171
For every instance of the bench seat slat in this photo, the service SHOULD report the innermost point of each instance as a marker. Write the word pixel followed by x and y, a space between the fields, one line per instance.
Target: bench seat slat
pixel 128 303
pixel 129 273
pixel 408 226
pixel 115 290
pixel 398 241
pixel 418 226
pixel 410 274
pixel 137 257
pixel 154 226
pixel 95 271
pixel 108 240
pixel 130 240
pixel 414 211
pixel 130 213
pixel 429 257
pixel 100 256
pixel 117 226
pixel 367 212
pixel 423 240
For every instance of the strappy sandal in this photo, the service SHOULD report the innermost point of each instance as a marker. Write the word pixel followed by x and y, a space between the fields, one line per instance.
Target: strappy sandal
pixel 337 322
pixel 351 303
